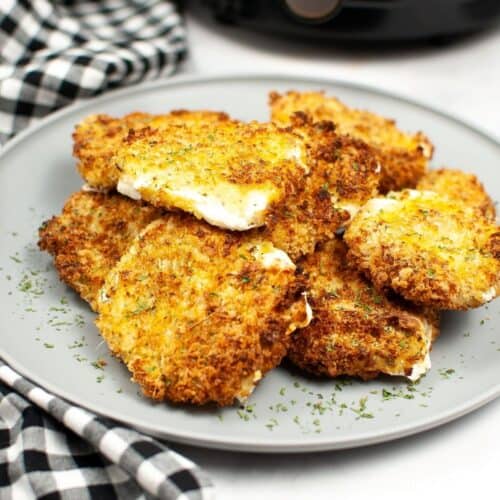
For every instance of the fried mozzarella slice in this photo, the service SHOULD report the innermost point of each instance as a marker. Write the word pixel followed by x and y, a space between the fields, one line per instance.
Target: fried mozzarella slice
pixel 402 156
pixel 226 173
pixel 432 250
pixel 459 186
pixel 344 175
pixel 356 330
pixel 302 183
pixel 90 236
pixel 98 137
pixel 198 314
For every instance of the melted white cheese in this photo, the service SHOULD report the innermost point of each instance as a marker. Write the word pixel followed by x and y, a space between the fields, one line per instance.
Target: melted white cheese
pixel 274 259
pixel 378 204
pixel 214 211
pixel 489 294
pixel 309 316
pixel 247 214
pixel 422 367
pixel 309 311
pixel 126 186
pixel 248 385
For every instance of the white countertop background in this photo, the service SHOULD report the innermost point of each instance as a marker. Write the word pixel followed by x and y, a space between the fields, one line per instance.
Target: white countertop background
pixel 459 460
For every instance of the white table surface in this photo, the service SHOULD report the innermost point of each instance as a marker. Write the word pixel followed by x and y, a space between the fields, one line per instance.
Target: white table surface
pixel 455 461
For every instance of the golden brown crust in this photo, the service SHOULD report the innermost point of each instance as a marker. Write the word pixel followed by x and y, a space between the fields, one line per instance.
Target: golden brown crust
pixel 459 186
pixel 98 137
pixel 343 176
pixel 90 236
pixel 228 173
pixel 403 157
pixel 311 179
pixel 356 330
pixel 240 153
pixel 196 314
pixel 432 250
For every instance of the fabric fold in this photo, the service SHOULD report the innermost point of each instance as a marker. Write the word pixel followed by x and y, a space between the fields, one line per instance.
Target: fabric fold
pixel 53 53
pixel 88 455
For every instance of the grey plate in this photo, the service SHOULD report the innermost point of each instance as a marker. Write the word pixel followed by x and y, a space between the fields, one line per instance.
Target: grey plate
pixel 48 333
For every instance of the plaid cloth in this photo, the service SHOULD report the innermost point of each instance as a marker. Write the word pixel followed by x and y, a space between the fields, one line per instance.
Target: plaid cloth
pixel 52 53
pixel 86 457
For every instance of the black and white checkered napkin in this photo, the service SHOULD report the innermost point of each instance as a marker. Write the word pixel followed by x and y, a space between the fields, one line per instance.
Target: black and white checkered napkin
pixel 86 457
pixel 51 54
pixel 54 52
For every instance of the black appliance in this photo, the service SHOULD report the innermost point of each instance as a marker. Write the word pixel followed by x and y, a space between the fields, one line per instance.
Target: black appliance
pixel 360 20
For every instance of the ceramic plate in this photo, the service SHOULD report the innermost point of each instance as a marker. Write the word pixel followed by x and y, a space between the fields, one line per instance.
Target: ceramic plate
pixel 48 333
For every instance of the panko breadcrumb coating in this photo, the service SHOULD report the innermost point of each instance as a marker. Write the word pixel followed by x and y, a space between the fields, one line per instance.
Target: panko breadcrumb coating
pixel 198 314
pixel 402 156
pixel 344 174
pixel 459 185
pixel 97 138
pixel 432 250
pixel 188 167
pixel 227 173
pixel 356 330
pixel 90 236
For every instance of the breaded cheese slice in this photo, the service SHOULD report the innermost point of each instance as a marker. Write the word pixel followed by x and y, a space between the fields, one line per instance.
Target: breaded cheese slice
pixel 356 330
pixel 98 137
pixel 344 174
pixel 229 174
pixel 402 156
pixel 294 225
pixel 459 186
pixel 198 314
pixel 432 250
pixel 90 236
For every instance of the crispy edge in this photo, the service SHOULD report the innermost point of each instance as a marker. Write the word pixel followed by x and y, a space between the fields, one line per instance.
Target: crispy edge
pixel 372 313
pixel 97 138
pixel 412 280
pixel 461 186
pixel 83 255
pixel 257 353
pixel 343 172
pixel 401 168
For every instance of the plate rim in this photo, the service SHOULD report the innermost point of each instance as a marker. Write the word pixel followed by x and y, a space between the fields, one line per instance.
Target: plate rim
pixel 235 442
pixel 176 80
